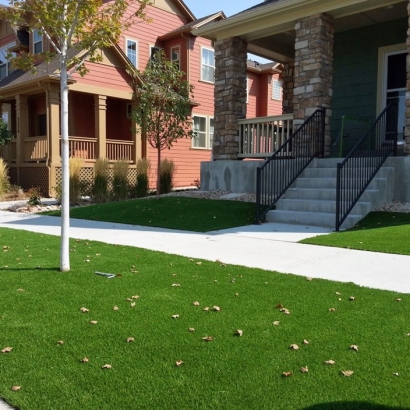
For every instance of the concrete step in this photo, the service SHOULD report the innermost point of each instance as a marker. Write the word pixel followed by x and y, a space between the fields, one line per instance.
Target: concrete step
pixel 323 194
pixel 332 172
pixel 322 219
pixel 330 183
pixel 320 206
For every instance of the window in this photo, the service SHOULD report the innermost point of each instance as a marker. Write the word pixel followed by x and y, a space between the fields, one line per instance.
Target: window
pixel 175 56
pixel 203 132
pixel 247 89
pixel 132 51
pixel 153 52
pixel 37 42
pixel 208 65
pixel 5 66
pixel 276 89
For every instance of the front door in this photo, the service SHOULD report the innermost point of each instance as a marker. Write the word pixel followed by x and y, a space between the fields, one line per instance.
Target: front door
pixel 394 90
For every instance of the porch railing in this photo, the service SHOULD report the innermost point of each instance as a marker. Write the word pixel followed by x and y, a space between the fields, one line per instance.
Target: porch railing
pixel 80 147
pixel 357 170
pixel 261 137
pixel 35 149
pixel 280 171
pixel 119 150
pixel 8 152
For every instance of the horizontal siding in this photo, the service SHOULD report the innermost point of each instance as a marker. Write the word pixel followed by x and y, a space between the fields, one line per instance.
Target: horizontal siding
pixel 253 95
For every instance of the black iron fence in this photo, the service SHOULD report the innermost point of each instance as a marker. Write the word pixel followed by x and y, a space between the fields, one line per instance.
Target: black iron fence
pixel 278 173
pixel 357 170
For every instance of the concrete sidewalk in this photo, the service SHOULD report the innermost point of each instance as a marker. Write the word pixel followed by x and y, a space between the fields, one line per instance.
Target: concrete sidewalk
pixel 269 246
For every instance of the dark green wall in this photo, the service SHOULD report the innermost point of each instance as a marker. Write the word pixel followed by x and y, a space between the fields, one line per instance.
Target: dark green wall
pixel 355 69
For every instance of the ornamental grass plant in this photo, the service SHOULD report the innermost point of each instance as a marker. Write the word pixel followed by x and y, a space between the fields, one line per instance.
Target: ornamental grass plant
pixel 120 180
pixel 75 165
pixel 4 178
pixel 100 186
pixel 142 183
pixel 167 171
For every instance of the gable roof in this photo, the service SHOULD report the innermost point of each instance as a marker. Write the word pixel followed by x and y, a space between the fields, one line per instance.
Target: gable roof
pixel 193 25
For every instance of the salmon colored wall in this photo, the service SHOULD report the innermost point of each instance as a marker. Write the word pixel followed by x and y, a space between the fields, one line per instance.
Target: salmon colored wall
pixel 118 125
pixel 10 38
pixel 253 95
pixel 81 110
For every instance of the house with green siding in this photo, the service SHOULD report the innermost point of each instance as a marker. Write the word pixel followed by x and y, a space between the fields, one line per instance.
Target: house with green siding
pixel 344 81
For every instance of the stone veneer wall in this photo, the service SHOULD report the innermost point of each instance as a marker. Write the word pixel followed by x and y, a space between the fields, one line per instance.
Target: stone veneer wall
pixel 230 96
pixel 287 78
pixel 407 129
pixel 314 68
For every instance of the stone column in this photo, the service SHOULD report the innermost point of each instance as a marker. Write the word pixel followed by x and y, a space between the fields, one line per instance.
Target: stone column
pixel 314 69
pixel 407 129
pixel 22 125
pixel 288 84
pixel 230 96
pixel 100 102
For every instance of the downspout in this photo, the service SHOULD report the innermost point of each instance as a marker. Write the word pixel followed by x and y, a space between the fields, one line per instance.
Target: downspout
pixel 188 64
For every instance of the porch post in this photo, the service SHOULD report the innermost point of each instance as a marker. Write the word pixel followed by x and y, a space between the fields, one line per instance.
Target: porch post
pixel 101 124
pixel 230 96
pixel 314 69
pixel 136 135
pixel 22 125
pixel 288 84
pixel 53 134
pixel 407 124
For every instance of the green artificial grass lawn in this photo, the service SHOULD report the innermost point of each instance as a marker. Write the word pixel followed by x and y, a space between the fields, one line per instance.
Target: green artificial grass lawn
pixel 387 232
pixel 190 214
pixel 40 306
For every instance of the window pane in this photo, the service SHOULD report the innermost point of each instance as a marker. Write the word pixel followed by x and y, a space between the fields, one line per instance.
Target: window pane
pixel 3 71
pixel 38 48
pixel 211 132
pixel 207 73
pixel 199 139
pixel 132 51
pixel 277 89
pixel 396 71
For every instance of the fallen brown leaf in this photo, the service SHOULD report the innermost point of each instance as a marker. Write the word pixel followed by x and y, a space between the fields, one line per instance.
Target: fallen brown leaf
pixel 205 309
pixel 199 263
pixel 175 316
pixel 106 366
pixel 176 285
pixel 332 310
pixel 398 300
pixel 285 311
pixel 191 329
pixel 93 322
pixel 347 373
pixel 354 347
pixel 7 350
pixel 304 369
pixel 116 308
pixel 135 297
pixel 130 339
pixel 20 290
pixel 208 338
pixel 309 279
pixel 338 293
pixel 279 306
pixel 276 323
pixel 179 362
pixel 306 342
pixel 84 360
pixel 84 310
pixel 196 303
pixel 216 308
pixel 15 388
pixel 132 304
pixel 286 374
pixel 294 347
pixel 329 362
pixel 60 342
pixel 396 374
pixel 352 298
pixel 239 332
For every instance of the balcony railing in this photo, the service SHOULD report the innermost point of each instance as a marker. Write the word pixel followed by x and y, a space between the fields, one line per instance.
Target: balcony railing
pixel 119 150
pixel 8 152
pixel 261 137
pixel 84 148
pixel 35 149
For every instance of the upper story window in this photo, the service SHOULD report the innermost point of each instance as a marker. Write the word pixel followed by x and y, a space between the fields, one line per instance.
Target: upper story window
pixel 276 89
pixel 5 66
pixel 204 132
pixel 37 42
pixel 176 56
pixel 207 64
pixel 153 52
pixel 132 51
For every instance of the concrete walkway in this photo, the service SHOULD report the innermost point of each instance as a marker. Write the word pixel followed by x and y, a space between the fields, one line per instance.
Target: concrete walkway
pixel 269 246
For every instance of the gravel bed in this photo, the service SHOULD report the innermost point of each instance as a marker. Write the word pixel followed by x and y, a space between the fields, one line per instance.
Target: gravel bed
pixel 395 206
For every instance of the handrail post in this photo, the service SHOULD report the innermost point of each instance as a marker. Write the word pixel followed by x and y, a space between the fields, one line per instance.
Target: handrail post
pixel 323 132
pixel 338 185
pixel 258 195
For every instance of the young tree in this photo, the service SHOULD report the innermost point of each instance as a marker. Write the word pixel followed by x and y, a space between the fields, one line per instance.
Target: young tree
pixel 164 105
pixel 86 25
pixel 5 134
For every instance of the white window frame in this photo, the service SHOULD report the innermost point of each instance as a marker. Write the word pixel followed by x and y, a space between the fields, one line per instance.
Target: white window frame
pixel 178 54
pixel 275 89
pixel 4 51
pixel 247 90
pixel 207 65
pixel 136 50
pixel 208 134
pixel 40 41
pixel 151 47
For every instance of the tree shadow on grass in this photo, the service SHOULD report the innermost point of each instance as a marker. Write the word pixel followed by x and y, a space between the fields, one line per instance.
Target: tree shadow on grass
pixel 353 405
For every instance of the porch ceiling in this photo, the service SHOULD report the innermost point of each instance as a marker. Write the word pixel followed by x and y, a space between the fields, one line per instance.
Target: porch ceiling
pixel 270 32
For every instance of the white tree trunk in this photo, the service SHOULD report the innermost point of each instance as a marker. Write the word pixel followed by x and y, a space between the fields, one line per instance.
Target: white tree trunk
pixel 65 200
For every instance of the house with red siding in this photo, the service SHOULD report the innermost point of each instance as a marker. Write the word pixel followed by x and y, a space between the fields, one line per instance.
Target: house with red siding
pixel 101 102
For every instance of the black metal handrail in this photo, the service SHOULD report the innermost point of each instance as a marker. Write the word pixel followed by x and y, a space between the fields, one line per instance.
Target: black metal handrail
pixel 360 166
pixel 279 171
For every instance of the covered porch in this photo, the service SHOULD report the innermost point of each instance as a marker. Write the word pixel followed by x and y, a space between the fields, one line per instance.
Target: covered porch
pixel 348 57
pixel 100 125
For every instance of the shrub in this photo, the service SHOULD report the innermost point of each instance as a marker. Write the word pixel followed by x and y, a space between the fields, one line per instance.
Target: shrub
pixel 4 177
pixel 75 165
pixel 120 181
pixel 166 176
pixel 100 187
pixel 34 196
pixel 142 185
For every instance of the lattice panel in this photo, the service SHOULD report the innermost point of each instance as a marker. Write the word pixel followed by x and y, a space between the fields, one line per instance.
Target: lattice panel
pixel 34 177
pixel 13 175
